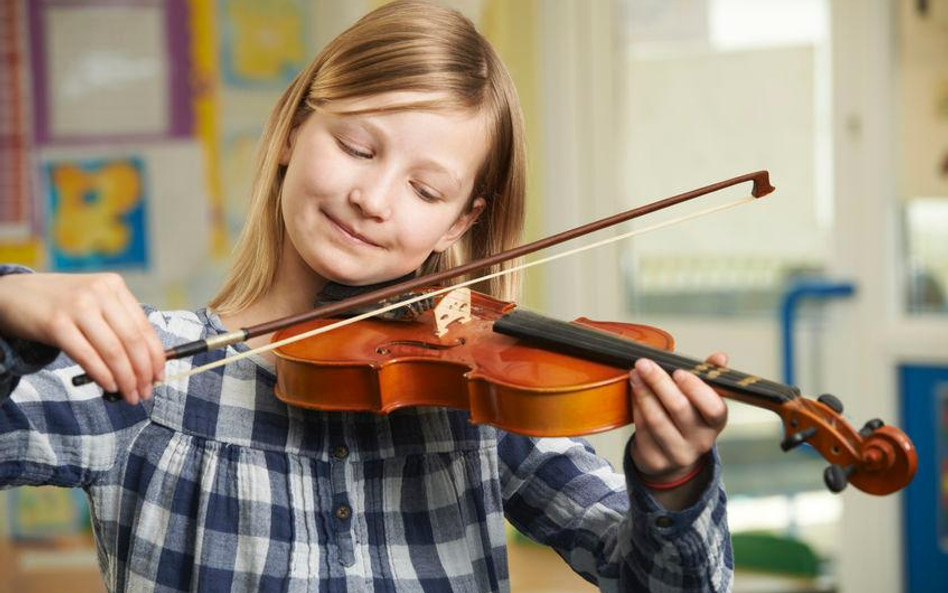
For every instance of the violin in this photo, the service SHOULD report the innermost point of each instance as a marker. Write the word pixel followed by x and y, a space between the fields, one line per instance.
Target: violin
pixel 530 374
pixel 526 373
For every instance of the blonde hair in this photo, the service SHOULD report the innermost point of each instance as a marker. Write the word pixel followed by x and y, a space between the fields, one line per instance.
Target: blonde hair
pixel 402 46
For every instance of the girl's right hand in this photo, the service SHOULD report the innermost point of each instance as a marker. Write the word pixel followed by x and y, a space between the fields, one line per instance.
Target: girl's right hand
pixel 94 319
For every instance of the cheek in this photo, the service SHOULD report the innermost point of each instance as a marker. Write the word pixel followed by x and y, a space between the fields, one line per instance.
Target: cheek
pixel 422 228
pixel 317 171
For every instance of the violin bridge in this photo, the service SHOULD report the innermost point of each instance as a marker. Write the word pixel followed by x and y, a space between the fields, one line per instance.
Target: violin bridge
pixel 454 306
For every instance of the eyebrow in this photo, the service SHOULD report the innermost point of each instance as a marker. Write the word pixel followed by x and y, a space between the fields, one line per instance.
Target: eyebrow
pixel 430 164
pixel 438 167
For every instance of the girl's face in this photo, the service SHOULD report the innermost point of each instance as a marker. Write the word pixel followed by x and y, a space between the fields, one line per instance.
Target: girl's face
pixel 366 198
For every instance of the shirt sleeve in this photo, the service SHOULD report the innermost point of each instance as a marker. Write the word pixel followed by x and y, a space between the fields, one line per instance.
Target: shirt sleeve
pixel 608 527
pixel 52 433
pixel 20 357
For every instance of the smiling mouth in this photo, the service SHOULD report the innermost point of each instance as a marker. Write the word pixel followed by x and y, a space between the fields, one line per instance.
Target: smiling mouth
pixel 349 234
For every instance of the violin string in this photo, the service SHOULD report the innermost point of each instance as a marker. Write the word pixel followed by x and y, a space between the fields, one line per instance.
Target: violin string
pixel 724 376
pixel 302 336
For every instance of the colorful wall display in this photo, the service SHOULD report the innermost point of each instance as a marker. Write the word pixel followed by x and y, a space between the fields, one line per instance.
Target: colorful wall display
pixel 263 44
pixel 96 214
pixel 28 252
pixel 15 203
pixel 95 80
pixel 237 167
pixel 36 513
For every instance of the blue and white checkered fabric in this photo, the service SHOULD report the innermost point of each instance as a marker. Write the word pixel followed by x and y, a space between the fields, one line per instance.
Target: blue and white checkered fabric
pixel 215 485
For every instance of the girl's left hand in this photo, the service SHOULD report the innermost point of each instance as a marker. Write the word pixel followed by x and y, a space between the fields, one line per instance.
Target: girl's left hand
pixel 677 419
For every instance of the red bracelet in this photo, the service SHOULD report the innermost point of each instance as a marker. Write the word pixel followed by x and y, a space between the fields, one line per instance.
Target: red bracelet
pixel 676 483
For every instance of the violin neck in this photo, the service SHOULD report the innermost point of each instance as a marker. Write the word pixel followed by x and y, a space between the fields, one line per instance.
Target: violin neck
pixel 615 350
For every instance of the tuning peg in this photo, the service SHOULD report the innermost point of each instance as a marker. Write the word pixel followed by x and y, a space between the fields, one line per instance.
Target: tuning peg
pixel 797 438
pixel 832 402
pixel 837 476
pixel 870 427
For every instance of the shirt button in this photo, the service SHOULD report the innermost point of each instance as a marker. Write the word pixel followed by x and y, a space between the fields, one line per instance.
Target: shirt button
pixel 340 452
pixel 664 522
pixel 343 512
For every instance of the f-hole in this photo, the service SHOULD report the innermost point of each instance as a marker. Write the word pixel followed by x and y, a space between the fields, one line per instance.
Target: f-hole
pixel 387 348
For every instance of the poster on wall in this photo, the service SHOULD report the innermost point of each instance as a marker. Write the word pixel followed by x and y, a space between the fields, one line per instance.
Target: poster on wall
pixel 105 70
pixel 138 209
pixel 263 44
pixel 96 214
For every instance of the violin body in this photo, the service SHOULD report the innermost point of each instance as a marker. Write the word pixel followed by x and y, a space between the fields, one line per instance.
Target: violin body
pixel 381 366
pixel 533 375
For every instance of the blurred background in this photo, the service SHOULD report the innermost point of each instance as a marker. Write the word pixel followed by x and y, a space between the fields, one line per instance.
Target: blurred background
pixel 127 130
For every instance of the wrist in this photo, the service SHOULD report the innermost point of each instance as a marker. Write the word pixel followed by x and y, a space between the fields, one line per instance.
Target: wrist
pixel 672 480
pixel 5 289
pixel 11 285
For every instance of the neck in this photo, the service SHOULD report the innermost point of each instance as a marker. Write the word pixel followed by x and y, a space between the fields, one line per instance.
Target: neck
pixel 295 287
pixel 294 290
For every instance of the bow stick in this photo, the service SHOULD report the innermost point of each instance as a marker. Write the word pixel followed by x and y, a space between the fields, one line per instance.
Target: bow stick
pixel 761 187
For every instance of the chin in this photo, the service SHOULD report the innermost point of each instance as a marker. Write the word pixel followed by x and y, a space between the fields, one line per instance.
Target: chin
pixel 341 276
pixel 351 275
pixel 351 271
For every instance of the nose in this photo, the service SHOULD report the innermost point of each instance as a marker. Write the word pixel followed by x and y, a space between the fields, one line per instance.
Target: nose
pixel 373 197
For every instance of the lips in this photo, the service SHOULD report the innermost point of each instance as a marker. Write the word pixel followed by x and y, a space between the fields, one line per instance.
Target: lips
pixel 350 233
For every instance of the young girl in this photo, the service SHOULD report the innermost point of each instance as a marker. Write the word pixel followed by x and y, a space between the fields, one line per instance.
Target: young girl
pixel 398 150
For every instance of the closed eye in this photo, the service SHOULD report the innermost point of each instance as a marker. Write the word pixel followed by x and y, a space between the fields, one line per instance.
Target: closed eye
pixel 352 151
pixel 424 193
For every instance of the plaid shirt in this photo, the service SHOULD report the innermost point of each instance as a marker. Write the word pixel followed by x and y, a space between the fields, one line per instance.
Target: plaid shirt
pixel 215 485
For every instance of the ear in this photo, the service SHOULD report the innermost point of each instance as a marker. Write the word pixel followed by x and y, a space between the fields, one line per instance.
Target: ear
pixel 461 225
pixel 287 149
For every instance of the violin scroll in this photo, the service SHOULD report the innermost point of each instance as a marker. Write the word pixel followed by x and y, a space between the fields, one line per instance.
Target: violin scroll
pixel 876 459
